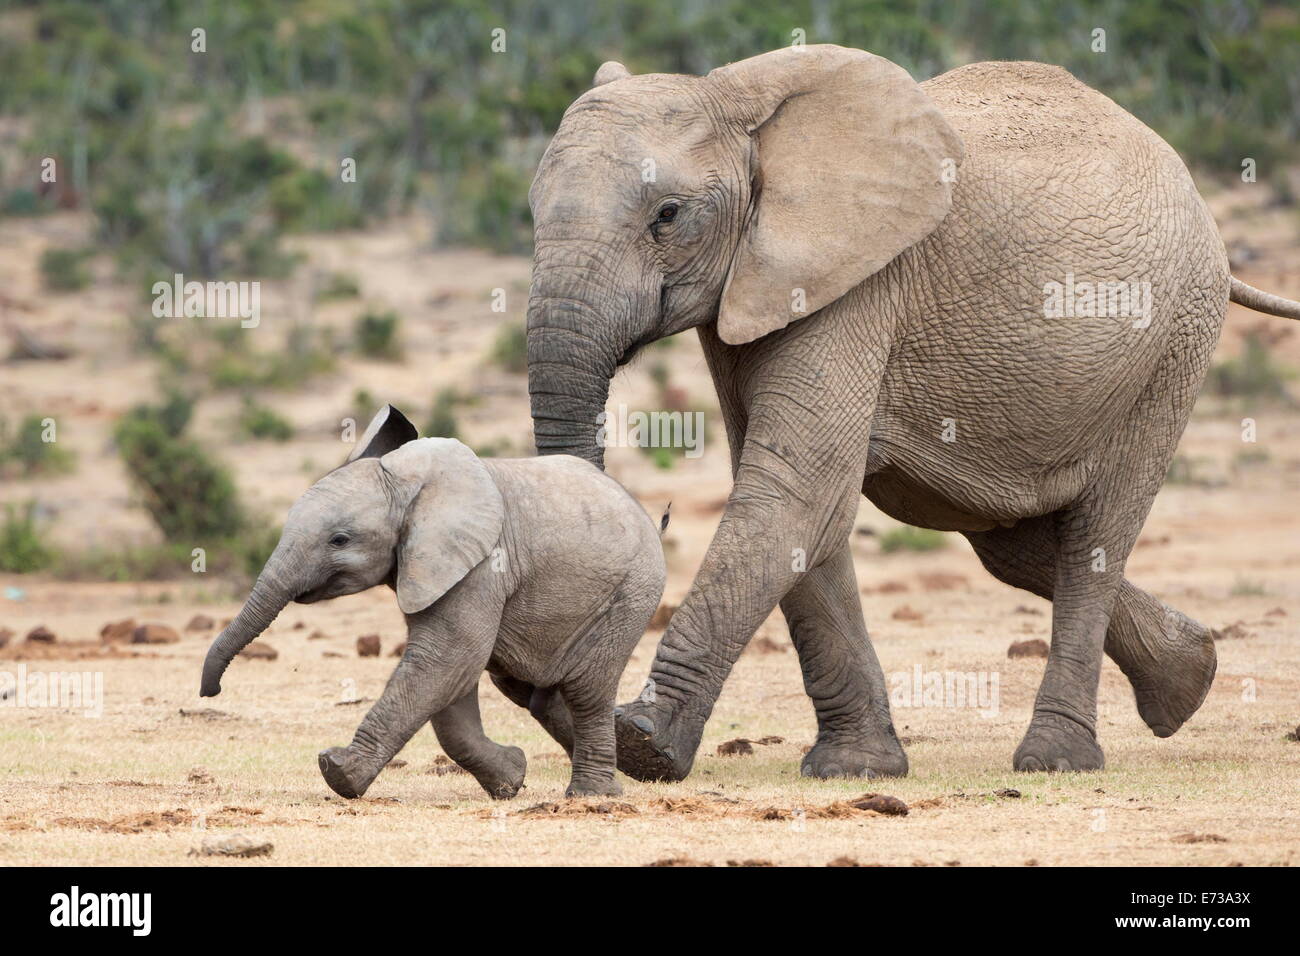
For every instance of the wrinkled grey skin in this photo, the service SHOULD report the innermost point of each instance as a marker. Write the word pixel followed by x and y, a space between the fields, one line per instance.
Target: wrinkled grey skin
pixel 1064 427
pixel 547 585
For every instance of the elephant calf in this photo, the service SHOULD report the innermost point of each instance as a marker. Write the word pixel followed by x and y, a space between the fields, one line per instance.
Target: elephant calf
pixel 545 572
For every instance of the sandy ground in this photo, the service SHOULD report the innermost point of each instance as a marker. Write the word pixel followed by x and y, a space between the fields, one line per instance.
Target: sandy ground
pixel 150 779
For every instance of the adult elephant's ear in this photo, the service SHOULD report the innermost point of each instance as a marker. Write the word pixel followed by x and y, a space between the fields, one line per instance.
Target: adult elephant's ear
pixel 852 164
pixel 453 517
pixel 387 431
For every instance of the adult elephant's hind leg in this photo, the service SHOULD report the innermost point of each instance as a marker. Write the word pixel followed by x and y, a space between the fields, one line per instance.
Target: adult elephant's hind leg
pixel 1168 658
pixel 855 736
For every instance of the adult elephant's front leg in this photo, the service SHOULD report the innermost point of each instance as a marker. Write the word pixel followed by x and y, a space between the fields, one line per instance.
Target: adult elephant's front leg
pixel 855 735
pixel 798 473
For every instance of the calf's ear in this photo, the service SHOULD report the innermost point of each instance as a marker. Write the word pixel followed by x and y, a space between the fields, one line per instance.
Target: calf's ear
pixel 452 523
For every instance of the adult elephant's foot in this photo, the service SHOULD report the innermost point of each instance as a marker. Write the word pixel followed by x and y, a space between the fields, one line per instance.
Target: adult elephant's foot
pixel 1168 658
pixel 503 775
pixel 1058 743
pixel 347 773
pixel 837 755
pixel 651 745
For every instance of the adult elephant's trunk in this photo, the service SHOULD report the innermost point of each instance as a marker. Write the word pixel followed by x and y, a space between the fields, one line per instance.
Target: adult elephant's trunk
pixel 270 594
pixel 570 363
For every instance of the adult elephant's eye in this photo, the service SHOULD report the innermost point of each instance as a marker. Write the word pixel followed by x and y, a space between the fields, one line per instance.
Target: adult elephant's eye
pixel 668 212
pixel 339 540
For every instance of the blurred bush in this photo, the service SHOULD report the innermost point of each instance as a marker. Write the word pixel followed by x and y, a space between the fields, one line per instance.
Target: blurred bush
pixel 170 148
pixel 375 334
pixel 21 548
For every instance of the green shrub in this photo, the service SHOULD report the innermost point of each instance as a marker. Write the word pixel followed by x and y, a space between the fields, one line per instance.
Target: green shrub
pixel 259 421
pixel 1253 374
pixel 189 497
pixel 442 418
pixel 338 285
pixel 64 270
pixel 28 453
pixel 510 348
pixel 907 538
pixel 375 334
pixel 21 549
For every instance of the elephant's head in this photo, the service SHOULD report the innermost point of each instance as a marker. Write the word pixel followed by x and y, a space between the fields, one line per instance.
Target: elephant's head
pixel 754 195
pixel 416 513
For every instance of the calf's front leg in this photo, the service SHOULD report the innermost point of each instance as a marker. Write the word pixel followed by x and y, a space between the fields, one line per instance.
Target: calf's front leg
pixel 448 646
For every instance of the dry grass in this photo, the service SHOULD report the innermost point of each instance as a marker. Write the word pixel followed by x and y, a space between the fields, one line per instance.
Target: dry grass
pixel 118 790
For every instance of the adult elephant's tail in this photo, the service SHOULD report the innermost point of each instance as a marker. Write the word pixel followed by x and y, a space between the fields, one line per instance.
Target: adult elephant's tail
pixel 1262 301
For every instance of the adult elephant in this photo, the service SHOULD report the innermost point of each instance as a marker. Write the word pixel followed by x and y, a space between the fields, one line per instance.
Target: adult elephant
pixel 891 285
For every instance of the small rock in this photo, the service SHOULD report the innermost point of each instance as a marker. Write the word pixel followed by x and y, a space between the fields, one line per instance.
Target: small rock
pixel 1035 647
pixel 1200 838
pixel 399 650
pixel 679 861
pixel 941 581
pixel 200 622
pixel 844 861
pixel 41 634
pixel 881 803
pixel 368 645
pixel 740 747
pixel 396 764
pixel 907 613
pixel 237 844
pixel 299 626
pixel 1007 792
pixel 154 634
pixel 259 651
pixel 199 775
pixel 1026 609
pixel 317 636
pixel 118 632
pixel 750 863
pixel 332 654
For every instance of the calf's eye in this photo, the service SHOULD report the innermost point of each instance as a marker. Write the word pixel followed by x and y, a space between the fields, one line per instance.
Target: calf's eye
pixel 339 540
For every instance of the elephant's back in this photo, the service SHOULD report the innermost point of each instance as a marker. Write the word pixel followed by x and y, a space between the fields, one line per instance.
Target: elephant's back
pixel 1030 110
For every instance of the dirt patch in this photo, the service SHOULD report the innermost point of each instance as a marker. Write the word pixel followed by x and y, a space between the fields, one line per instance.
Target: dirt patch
pixel 1200 838
pixel 150 821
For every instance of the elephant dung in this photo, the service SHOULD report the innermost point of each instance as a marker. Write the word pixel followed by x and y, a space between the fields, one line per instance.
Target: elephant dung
pixel 200 622
pixel 117 632
pixel 154 634
pixel 259 651
pixel 740 747
pixel 881 803
pixel 1035 647
pixel 368 645
pixel 41 634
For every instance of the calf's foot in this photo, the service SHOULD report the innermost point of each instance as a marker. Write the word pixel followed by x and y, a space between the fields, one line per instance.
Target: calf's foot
pixel 347 774
pixel 503 776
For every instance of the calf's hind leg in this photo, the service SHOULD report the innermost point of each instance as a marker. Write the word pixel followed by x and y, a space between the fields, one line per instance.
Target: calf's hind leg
pixel 1168 657
pixel 499 770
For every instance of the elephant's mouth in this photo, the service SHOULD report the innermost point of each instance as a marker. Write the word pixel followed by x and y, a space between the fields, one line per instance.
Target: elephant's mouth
pixel 318 593
pixel 631 351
